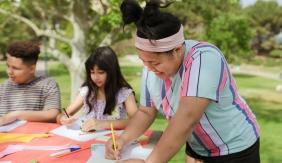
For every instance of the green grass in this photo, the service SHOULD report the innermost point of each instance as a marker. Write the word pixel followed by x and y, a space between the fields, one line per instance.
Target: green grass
pixel 269 117
pixel 258 92
pixel 259 88
pixel 3 74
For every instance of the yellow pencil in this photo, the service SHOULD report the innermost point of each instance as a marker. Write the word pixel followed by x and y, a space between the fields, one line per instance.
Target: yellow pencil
pixel 113 137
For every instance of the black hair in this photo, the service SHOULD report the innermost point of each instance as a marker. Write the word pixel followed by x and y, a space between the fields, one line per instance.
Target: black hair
pixel 105 59
pixel 151 23
pixel 26 50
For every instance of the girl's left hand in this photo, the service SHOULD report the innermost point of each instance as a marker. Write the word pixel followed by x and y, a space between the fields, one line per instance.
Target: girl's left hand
pixel 91 124
pixel 131 161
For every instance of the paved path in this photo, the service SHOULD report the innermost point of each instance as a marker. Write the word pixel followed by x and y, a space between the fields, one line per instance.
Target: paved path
pixel 256 71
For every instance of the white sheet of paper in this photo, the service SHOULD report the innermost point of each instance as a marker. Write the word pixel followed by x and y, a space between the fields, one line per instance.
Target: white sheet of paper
pixel 74 132
pixel 11 126
pixel 131 151
pixel 135 151
pixel 99 160
pixel 16 148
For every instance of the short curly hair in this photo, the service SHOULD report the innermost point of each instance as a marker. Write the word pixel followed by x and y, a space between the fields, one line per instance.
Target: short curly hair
pixel 26 50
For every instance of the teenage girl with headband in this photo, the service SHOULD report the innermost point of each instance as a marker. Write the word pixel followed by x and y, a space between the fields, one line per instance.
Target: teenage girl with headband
pixel 190 83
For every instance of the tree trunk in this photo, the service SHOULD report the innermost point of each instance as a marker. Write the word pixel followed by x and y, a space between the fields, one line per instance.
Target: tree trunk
pixel 78 56
pixel 76 82
pixel 77 70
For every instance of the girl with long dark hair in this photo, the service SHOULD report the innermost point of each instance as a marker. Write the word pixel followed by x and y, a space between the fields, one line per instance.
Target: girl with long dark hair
pixel 105 97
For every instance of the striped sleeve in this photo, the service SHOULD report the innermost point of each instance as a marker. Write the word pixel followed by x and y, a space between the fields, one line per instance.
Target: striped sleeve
pixel 52 95
pixel 204 75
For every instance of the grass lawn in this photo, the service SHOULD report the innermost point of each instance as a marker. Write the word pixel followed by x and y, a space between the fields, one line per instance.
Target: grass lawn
pixel 258 92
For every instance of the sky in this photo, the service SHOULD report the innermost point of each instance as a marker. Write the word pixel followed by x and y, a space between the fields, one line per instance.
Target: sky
pixel 250 2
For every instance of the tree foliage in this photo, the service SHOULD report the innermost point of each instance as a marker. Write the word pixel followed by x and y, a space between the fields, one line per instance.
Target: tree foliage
pixel 218 22
pixel 232 34
pixel 198 15
pixel 10 31
pixel 266 19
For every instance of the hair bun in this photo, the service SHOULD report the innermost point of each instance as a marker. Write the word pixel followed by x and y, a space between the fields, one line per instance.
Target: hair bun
pixel 131 11
pixel 152 8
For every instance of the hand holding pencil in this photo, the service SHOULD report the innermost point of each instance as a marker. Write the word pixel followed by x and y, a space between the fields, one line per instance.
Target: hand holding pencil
pixel 65 118
pixel 114 146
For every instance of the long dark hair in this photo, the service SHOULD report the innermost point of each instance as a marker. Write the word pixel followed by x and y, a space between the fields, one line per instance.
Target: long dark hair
pixel 151 23
pixel 105 59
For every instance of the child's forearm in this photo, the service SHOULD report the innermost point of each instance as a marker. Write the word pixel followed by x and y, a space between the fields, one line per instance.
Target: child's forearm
pixel 117 124
pixel 94 124
pixel 37 116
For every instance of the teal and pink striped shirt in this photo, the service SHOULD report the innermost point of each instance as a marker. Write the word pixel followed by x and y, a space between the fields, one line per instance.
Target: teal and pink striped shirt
pixel 228 125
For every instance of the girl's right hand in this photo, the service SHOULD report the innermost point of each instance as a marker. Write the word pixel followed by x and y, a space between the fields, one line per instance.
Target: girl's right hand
pixel 110 152
pixel 64 120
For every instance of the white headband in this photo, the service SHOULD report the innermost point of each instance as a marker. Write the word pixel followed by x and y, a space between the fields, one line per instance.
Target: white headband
pixel 161 45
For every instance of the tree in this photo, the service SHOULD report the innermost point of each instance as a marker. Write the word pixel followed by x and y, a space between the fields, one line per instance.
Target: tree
pixel 197 16
pixel 71 28
pixel 8 27
pixel 266 19
pixel 220 22
pixel 232 34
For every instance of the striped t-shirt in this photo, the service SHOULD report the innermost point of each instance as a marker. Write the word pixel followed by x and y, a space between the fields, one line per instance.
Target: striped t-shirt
pixel 40 94
pixel 227 125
